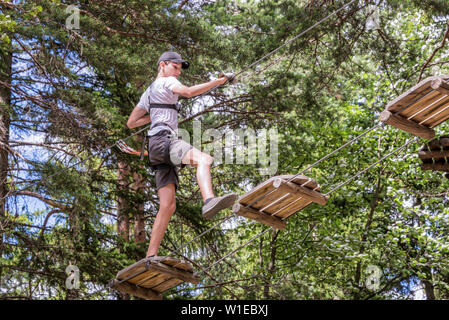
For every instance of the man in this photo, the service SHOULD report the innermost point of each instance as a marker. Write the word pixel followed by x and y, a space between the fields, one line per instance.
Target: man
pixel 165 151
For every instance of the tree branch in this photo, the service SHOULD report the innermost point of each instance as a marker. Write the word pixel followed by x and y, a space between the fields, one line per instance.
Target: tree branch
pixel 60 206
pixel 441 46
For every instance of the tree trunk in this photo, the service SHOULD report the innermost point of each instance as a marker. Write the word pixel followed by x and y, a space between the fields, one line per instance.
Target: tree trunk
pixel 123 204
pixel 123 210
pixel 428 287
pixel 373 206
pixel 5 101
pixel 139 217
pixel 271 265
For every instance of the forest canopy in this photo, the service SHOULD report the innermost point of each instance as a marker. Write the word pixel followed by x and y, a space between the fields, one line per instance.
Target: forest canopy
pixel 71 72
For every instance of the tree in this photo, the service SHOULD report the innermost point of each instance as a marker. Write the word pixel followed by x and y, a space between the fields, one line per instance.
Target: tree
pixel 79 200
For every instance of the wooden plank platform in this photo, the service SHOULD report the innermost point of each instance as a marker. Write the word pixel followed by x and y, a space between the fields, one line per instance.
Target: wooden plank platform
pixel 421 108
pixel 150 277
pixel 284 199
pixel 435 155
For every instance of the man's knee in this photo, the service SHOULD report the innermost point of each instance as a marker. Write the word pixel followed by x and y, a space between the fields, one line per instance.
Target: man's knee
pixel 169 208
pixel 206 159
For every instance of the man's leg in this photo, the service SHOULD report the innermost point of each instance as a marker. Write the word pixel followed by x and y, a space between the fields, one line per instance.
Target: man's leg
pixel 202 162
pixel 212 205
pixel 167 207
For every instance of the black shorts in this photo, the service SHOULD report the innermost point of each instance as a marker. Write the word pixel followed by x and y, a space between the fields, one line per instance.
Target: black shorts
pixel 158 155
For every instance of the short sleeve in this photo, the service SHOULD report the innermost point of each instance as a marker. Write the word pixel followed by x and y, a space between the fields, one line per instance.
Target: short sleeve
pixel 172 82
pixel 144 102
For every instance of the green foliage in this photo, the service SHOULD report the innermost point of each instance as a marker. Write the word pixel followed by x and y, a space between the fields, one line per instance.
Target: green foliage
pixel 321 91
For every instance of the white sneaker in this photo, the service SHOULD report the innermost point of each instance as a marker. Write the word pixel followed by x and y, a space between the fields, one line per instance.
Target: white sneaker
pixel 218 203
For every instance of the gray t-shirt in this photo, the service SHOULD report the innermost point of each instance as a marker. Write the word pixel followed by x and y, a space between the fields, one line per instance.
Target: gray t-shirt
pixel 161 91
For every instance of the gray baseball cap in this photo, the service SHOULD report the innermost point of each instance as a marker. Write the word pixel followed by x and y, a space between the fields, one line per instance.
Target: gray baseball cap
pixel 174 57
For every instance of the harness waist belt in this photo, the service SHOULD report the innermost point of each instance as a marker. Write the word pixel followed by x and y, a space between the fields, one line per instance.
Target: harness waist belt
pixel 162 133
pixel 160 166
pixel 164 106
pixel 159 124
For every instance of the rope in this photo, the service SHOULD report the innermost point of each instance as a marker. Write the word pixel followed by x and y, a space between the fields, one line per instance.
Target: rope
pixel 310 166
pixel 146 127
pixel 328 193
pixel 295 37
pixel 280 47
pixel 204 270
pixel 343 146
pixel 333 190
pixel 238 248
pixel 243 70
pixel 374 164
pixel 116 143
pixel 318 161
pixel 327 156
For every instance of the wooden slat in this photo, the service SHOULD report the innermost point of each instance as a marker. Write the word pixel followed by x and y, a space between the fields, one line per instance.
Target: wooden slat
pixel 283 203
pixel 283 197
pixel 142 264
pixel 407 125
pixel 301 180
pixel 433 154
pixel 142 277
pixel 440 117
pixel 177 273
pixel 440 85
pixel 414 93
pixel 422 106
pixel 435 166
pixel 266 200
pixel 267 186
pixel 293 195
pixel 132 269
pixel 433 145
pixel 300 191
pixel 439 143
pixel 433 112
pixel 258 216
pixel 425 105
pixel 167 285
pixel 134 290
pixel 155 281
pixel 255 193
pixel 270 208
pixel 173 262
pixel 436 144
pixel 293 208
pixel 156 274
pixel 280 195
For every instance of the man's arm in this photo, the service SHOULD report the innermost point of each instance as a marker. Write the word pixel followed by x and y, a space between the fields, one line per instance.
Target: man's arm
pixel 198 89
pixel 138 118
